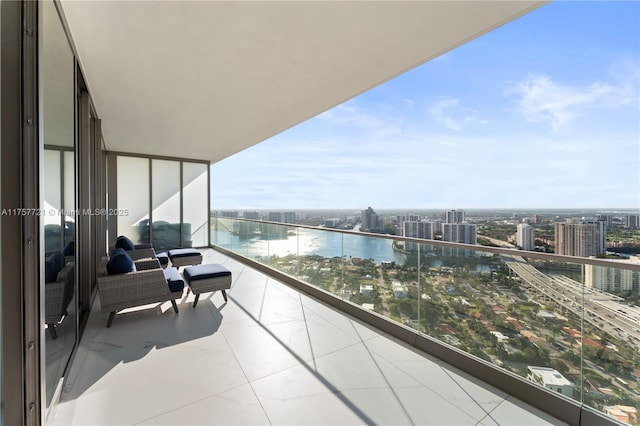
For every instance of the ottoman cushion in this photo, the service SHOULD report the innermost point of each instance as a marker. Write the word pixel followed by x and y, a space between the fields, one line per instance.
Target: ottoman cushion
pixel 183 253
pixel 175 281
pixel 203 272
pixel 163 258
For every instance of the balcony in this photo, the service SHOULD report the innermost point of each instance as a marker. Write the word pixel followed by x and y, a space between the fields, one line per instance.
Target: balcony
pixel 271 355
pixel 569 324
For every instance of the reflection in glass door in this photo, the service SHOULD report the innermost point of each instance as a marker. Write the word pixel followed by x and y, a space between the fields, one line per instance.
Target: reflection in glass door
pixel 58 193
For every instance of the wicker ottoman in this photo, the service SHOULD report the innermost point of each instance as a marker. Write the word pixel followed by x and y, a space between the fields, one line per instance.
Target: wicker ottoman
pixel 185 257
pixel 207 278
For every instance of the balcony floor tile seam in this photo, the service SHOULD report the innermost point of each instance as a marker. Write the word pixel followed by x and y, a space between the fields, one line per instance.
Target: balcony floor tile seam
pixel 384 377
pixel 419 386
pixel 489 416
pixel 193 402
pixel 258 324
pixel 462 388
pixel 544 418
pixel 237 277
pixel 306 326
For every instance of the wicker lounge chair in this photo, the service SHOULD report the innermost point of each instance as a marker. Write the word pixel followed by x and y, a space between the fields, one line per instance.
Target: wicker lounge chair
pixel 144 286
pixel 57 296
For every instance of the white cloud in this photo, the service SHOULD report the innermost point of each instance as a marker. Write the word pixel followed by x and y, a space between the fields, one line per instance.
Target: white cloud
pixel 409 103
pixel 540 99
pixel 446 112
pixel 349 114
pixel 369 119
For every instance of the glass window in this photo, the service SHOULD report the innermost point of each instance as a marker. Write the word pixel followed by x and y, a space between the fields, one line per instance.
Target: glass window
pixel 52 201
pixel 133 198
pixel 195 209
pixel 69 196
pixel 165 204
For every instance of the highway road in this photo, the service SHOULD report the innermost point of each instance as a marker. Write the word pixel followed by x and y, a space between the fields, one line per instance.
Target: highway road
pixel 603 310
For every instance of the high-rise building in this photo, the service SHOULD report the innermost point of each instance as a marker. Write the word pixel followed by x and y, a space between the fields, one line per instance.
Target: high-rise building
pixel 252 215
pixel 607 218
pixel 289 217
pixel 275 216
pixel 229 213
pixel 454 216
pixel 331 222
pixel 415 229
pixel 525 236
pixel 632 221
pixel 585 237
pixel 370 221
pixel 612 280
pixel 460 233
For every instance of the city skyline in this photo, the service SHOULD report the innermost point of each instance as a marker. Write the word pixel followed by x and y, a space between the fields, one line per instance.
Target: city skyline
pixel 541 112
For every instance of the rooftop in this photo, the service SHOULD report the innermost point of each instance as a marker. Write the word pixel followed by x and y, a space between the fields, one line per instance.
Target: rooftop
pixel 270 355
pixel 550 376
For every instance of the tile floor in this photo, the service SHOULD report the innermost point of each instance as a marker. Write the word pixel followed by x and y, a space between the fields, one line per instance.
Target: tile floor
pixel 270 355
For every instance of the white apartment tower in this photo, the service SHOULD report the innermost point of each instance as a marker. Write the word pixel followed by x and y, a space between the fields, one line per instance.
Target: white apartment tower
pixel 414 229
pixel 252 215
pixel 525 237
pixel 454 216
pixel 465 233
pixel 632 221
pixel 229 213
pixel 275 216
pixel 289 217
pixel 612 280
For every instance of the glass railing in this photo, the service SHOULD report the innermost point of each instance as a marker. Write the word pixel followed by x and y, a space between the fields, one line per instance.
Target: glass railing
pixel 569 324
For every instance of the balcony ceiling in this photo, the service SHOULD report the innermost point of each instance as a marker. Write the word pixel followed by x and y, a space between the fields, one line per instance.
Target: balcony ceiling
pixel 207 79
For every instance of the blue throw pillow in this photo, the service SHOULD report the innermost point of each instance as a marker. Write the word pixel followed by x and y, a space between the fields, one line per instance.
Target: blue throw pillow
pixel 125 243
pixel 69 249
pixel 120 262
pixel 52 265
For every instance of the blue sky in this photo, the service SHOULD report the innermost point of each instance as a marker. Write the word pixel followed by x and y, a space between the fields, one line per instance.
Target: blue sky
pixel 540 113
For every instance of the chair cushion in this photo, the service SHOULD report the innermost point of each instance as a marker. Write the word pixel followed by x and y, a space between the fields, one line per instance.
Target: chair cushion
pixel 69 249
pixel 120 262
pixel 52 265
pixel 175 281
pixel 125 243
pixel 163 258
pixel 202 272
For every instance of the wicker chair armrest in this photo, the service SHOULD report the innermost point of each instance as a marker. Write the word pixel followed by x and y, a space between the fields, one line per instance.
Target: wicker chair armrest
pixel 146 264
pixel 145 253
